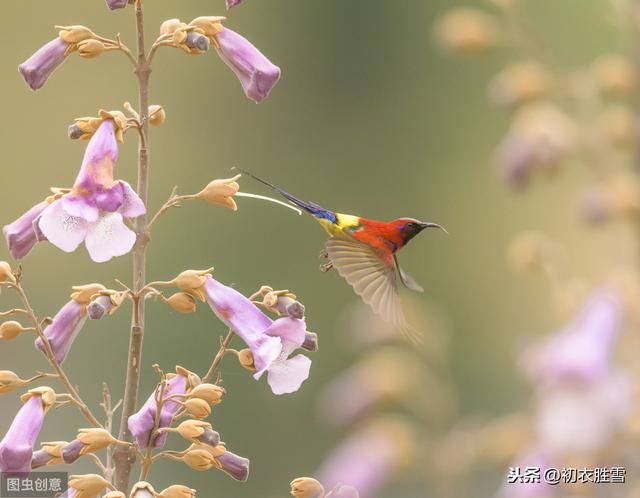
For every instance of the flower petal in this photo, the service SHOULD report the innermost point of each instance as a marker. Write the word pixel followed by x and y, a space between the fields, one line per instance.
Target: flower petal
pixel 288 329
pixel 80 207
pixel 109 237
pixel 132 205
pixel 62 230
pixel 287 376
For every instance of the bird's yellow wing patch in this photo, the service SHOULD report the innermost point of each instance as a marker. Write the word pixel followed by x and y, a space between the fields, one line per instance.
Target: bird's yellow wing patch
pixel 371 279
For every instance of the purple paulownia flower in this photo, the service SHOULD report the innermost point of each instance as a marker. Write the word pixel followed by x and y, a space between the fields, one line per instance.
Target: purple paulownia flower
pixel 117 4
pixel 95 209
pixel 271 342
pixel 581 351
pixel 141 423
pixel 16 448
pixel 369 458
pixel 257 74
pixel 64 329
pixel 23 234
pixel 37 68
pixel 233 3
pixel 234 465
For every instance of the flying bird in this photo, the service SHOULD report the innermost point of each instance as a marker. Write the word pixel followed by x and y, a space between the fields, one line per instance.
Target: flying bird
pixel 364 252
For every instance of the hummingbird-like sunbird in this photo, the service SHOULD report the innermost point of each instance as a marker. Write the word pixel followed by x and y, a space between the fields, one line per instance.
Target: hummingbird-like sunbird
pixel 364 252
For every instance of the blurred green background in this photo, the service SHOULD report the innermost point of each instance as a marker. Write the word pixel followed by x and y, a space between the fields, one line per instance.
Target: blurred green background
pixel 369 118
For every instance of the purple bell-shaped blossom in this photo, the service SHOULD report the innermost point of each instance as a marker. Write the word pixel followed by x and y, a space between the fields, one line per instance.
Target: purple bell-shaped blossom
pixel 257 74
pixel 95 209
pixel 24 233
pixel 37 68
pixel 16 448
pixel 271 342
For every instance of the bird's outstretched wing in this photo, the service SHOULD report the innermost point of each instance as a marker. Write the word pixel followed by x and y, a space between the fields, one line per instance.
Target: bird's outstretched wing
pixel 372 279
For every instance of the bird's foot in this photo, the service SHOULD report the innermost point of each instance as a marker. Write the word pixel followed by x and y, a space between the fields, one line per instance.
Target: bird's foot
pixel 326 267
pixel 323 254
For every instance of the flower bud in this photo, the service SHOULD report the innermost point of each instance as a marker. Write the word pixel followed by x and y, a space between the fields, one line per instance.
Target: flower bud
pixel 142 489
pixel 520 83
pixel 210 393
pixel 50 454
pixel 6 274
pixel 75 34
pixel 157 115
pixel 197 408
pixel 177 491
pixel 117 4
pixel 282 302
pixel 310 342
pixel 466 30
pixel 83 294
pixel 197 431
pixel 196 43
pixel 615 75
pixel 37 69
pixel 182 302
pixel 221 192
pixel 99 307
pixel 9 381
pixel 88 485
pixel 192 281
pixel 306 487
pixel 235 466
pixel 170 26
pixel 10 330
pixel 90 49
pixel 210 25
pixel 198 458
pixel 245 357
pixel 95 439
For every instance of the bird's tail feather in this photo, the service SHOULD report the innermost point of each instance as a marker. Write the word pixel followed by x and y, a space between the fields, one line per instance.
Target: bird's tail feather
pixel 291 198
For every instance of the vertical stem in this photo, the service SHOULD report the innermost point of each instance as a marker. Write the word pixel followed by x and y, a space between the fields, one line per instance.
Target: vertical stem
pixel 124 457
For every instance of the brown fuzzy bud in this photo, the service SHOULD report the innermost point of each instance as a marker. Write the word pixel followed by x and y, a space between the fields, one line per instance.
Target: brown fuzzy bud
pixel 83 294
pixel 196 431
pixel 90 49
pixel 143 489
pixel 170 26
pixel 6 274
pixel 245 357
pixel 197 408
pixel 74 34
pixel 95 439
pixel 177 491
pixel 9 381
pixel 466 30
pixel 10 330
pixel 221 192
pixel 182 302
pixel 192 281
pixel 88 485
pixel 210 25
pixel 47 395
pixel 211 393
pixel 520 83
pixel 157 115
pixel 198 458
pixel 306 487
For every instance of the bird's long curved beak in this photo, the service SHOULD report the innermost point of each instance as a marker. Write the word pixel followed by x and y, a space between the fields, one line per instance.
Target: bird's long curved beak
pixel 434 225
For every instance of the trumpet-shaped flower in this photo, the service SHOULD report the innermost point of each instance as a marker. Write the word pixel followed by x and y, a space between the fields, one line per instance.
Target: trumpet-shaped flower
pixel 271 342
pixel 95 209
pixel 16 448
pixel 117 4
pixel 37 68
pixel 257 74
pixel 66 325
pixel 141 424
pixel 582 350
pixel 23 234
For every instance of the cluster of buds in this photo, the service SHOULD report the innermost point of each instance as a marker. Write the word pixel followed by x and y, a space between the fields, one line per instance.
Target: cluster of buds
pixel 257 74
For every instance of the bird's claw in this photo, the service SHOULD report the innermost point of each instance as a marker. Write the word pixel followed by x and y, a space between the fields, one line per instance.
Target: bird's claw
pixel 326 267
